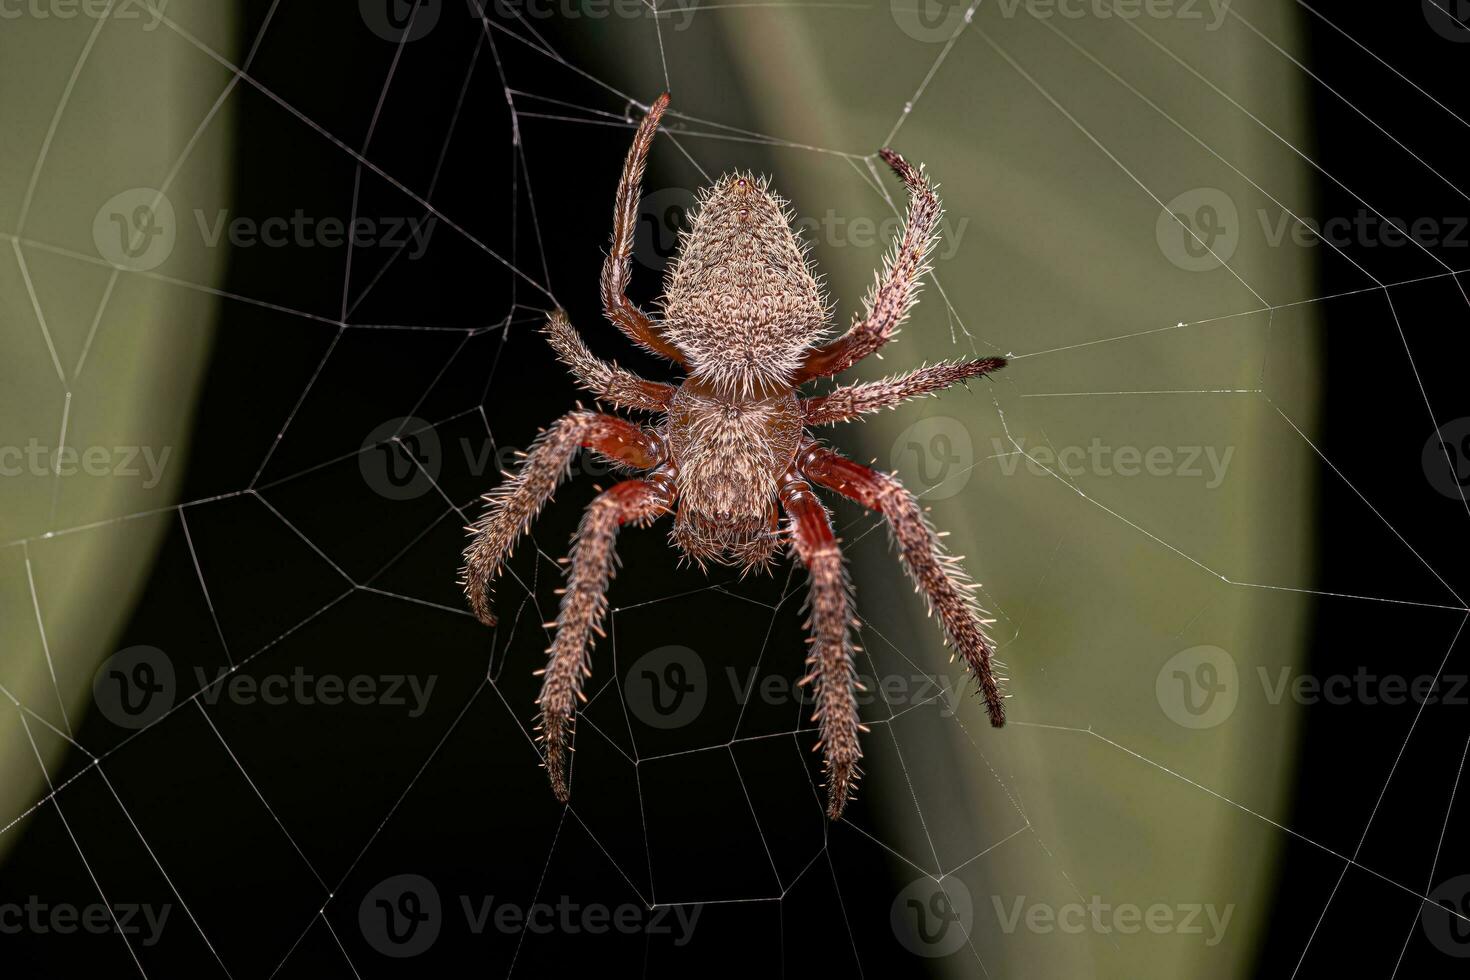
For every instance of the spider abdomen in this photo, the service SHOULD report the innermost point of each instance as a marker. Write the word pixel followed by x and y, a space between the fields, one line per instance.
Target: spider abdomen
pixel 729 454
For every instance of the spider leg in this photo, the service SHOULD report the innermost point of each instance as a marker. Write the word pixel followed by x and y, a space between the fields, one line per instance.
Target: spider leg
pixel 829 665
pixel 851 401
pixel 617 269
pixel 896 290
pixel 583 604
pixel 946 586
pixel 515 503
pixel 606 381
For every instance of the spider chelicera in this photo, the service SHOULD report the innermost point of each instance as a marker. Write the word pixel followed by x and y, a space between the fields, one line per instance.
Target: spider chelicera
pixel 744 316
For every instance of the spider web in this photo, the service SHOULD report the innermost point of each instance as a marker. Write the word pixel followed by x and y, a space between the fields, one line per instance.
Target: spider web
pixel 292 800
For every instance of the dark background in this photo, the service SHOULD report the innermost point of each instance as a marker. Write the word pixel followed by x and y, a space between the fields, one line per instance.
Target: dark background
pixel 1349 749
pixel 456 796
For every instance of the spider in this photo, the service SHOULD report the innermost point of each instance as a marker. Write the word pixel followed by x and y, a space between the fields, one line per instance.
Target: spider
pixel 744 316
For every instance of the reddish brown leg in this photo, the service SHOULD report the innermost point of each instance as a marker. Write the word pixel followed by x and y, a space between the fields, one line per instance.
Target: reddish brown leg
pixel 617 269
pixel 583 604
pixel 515 503
pixel 829 665
pixel 940 576
pixel 889 302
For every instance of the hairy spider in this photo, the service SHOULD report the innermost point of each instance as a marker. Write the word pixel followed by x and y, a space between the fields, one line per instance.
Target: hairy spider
pixel 744 316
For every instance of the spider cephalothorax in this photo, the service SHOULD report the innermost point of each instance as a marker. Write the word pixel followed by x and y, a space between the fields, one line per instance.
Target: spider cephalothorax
pixel 745 317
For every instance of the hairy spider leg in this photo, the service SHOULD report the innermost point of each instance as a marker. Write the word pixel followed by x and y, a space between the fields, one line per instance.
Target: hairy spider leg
pixel 851 401
pixel 829 664
pixel 896 290
pixel 514 504
pixel 607 381
pixel 583 605
pixel 938 575
pixel 617 269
